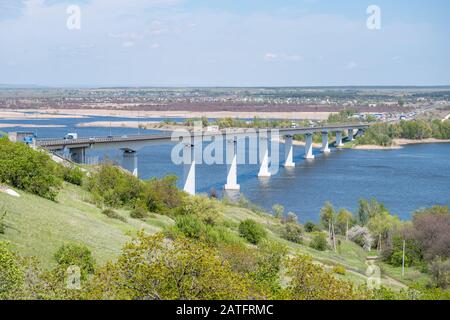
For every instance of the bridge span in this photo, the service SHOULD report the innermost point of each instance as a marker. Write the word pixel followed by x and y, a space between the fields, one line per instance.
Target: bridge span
pixel 75 149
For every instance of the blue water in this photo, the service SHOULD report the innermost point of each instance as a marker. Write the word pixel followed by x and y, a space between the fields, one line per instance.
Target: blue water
pixel 404 180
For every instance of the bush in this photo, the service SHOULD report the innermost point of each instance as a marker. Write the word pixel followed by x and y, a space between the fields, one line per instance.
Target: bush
pixel 29 170
pixel 11 275
pixel 2 221
pixel 75 255
pixel 114 187
pixel 319 242
pixel 193 227
pixel 202 207
pixel 440 272
pixel 311 227
pixel 110 213
pixel 252 231
pixel 162 195
pixel 73 175
pixel 139 213
pixel 338 269
pixel 293 232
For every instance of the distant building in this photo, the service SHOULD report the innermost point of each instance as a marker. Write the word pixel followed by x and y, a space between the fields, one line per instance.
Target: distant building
pixel 21 136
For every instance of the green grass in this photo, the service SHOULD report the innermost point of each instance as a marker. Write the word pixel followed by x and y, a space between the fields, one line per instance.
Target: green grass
pixel 38 227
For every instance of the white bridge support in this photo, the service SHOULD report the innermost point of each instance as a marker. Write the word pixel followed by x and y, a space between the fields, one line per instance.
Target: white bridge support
pixel 338 142
pixel 189 169
pixel 309 146
pixel 325 143
pixel 130 161
pixel 231 157
pixel 289 152
pixel 350 135
pixel 264 157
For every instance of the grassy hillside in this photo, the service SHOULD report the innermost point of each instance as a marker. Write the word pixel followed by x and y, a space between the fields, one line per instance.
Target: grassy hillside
pixel 38 227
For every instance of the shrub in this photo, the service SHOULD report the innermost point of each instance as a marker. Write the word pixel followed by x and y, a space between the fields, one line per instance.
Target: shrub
pixel 114 187
pixel 191 226
pixel 11 275
pixel 75 255
pixel 110 213
pixel 293 232
pixel 27 169
pixel 73 175
pixel 203 207
pixel 311 227
pixel 139 213
pixel 162 195
pixel 440 272
pixel 338 269
pixel 252 231
pixel 319 242
pixel 2 221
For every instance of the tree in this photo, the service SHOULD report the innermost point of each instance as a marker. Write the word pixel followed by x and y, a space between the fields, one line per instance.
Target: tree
pixel 252 231
pixel 440 272
pixel 381 225
pixel 155 268
pixel 432 231
pixel 278 211
pixel 327 217
pixel 344 221
pixel 310 281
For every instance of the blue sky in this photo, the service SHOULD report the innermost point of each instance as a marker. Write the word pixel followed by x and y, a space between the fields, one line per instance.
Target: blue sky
pixel 224 43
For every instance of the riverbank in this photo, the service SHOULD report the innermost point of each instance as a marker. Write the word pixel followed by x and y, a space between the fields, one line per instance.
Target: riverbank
pixel 398 144
pixel 36 115
pixel 26 125
pixel 183 114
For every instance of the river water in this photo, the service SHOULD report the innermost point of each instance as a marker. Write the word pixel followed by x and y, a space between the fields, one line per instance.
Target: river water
pixel 404 180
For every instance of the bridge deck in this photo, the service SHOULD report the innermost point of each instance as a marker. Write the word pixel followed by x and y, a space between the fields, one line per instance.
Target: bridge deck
pixel 60 143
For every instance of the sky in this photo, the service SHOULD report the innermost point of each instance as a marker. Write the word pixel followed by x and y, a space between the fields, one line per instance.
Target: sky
pixel 224 43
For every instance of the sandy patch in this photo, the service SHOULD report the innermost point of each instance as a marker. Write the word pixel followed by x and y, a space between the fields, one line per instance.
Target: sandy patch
pixel 25 125
pixel 403 142
pixel 42 115
pixel 189 114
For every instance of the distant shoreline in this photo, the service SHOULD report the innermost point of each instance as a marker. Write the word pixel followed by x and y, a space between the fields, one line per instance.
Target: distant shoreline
pixel 399 144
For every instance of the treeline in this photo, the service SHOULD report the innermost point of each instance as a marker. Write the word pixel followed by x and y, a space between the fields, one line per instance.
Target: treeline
pixel 426 237
pixel 34 171
pixel 383 134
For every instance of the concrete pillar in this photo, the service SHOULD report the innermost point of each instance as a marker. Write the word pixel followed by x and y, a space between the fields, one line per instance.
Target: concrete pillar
pixel 309 147
pixel 338 139
pixel 78 155
pixel 325 145
pixel 288 152
pixel 232 165
pixel 350 135
pixel 130 161
pixel 189 169
pixel 264 157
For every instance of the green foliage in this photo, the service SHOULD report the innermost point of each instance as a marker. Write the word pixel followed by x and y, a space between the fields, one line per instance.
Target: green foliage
pixel 2 221
pixel 11 275
pixel 278 211
pixel 27 169
pixel 72 175
pixel 319 241
pixel 310 281
pixel 292 232
pixel 161 195
pixel 440 272
pixel 110 213
pixel 139 213
pixel 203 207
pixel 393 253
pixel 75 255
pixel 368 210
pixel 252 231
pixel 344 219
pixel 151 267
pixel 114 187
pixel 339 269
pixel 327 215
pixel 311 227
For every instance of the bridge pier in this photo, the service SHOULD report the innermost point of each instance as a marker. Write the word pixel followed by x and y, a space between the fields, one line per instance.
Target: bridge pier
pixel 189 169
pixel 77 155
pixel 288 152
pixel 350 135
pixel 338 142
pixel 130 161
pixel 309 147
pixel 264 157
pixel 231 157
pixel 325 144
